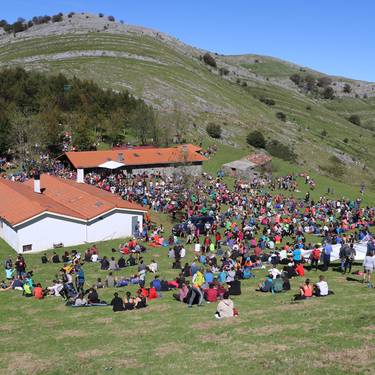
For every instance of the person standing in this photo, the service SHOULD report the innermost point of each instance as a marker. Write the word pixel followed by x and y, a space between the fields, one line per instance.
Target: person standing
pixel 327 250
pixel 349 258
pixel 369 266
pixel 315 258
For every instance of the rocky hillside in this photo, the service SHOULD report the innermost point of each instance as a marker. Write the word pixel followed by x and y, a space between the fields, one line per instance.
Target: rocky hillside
pixel 241 93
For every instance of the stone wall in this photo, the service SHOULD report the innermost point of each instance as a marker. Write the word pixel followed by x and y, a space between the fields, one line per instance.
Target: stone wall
pixel 192 170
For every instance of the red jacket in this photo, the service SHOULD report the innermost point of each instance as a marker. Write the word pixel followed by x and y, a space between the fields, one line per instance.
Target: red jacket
pixel 211 295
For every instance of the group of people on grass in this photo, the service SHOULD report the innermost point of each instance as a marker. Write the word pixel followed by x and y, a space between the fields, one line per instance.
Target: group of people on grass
pixel 231 231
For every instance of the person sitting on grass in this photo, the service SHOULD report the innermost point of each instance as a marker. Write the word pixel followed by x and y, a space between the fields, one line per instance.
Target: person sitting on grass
pixel 306 290
pixel 129 302
pixel 277 284
pixel 99 284
pixel 321 288
pixel 225 307
pixel 182 293
pixel 140 300
pixel 92 296
pixel 234 287
pixel 266 286
pixel 210 294
pixel 80 300
pixel 38 291
pixel 117 303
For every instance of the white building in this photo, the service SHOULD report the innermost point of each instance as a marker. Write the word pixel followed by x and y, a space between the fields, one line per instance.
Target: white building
pixel 39 214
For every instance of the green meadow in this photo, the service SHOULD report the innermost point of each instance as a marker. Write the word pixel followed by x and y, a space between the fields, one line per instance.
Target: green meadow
pixel 333 335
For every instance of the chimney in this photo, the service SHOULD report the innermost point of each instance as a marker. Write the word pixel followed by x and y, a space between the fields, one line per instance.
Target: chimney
pixel 37 183
pixel 80 176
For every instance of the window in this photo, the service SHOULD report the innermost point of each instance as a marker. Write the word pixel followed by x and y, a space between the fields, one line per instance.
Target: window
pixel 27 248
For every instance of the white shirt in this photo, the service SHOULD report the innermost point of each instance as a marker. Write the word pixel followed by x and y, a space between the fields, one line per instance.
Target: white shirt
pixel 323 287
pixel 274 272
pixel 94 258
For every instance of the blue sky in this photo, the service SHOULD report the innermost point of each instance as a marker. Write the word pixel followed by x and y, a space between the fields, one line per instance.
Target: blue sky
pixel 334 37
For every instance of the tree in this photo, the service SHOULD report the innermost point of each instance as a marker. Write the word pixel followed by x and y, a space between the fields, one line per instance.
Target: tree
pixel 179 123
pixel 347 88
pixel 256 139
pixel 83 135
pixel 209 60
pixel 101 15
pixel 328 93
pixel 111 18
pixel 355 119
pixel 50 122
pixel 5 131
pixel 213 130
pixel 57 17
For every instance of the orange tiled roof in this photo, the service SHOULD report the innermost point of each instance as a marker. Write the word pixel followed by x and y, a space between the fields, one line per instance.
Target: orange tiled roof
pixel 147 156
pixel 19 203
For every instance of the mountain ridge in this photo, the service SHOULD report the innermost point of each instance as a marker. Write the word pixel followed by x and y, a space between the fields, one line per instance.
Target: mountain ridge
pixel 170 74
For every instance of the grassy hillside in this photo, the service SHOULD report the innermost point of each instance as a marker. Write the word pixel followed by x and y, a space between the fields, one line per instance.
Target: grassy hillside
pixel 169 75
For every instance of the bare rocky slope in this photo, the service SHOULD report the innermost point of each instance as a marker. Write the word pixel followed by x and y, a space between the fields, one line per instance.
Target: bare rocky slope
pixel 170 74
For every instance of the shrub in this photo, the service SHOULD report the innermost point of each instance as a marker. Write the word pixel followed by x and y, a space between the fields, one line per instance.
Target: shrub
pixel 57 17
pixel 209 60
pixel 101 15
pixel 296 78
pixel 256 139
pixel 238 81
pixel 71 14
pixel 281 151
pixel 213 130
pixel 111 18
pixel 328 93
pixel 267 101
pixel 308 107
pixel 355 119
pixel 281 116
pixel 346 140
pixel 223 71
pixel 324 81
pixel 323 133
pixel 347 88
pixel 244 84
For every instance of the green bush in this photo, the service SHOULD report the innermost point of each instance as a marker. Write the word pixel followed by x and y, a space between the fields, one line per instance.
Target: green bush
pixel 355 119
pixel 256 139
pixel 281 116
pixel 267 101
pixel 328 93
pixel 281 151
pixel 347 88
pixel 213 130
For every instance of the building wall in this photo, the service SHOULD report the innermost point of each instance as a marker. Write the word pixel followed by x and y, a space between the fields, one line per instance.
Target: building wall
pixel 9 235
pixel 42 233
pixel 114 225
pixel 193 170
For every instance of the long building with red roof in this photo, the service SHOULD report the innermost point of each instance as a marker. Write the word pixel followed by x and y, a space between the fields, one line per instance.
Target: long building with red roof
pixel 140 160
pixel 40 213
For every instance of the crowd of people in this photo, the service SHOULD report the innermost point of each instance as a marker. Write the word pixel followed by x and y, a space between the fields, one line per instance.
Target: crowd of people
pixel 231 231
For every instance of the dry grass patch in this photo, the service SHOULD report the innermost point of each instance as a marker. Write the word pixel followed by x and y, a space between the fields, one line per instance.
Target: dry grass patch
pixel 355 361
pixel 68 333
pixel 126 363
pixel 221 338
pixel 166 349
pixel 27 363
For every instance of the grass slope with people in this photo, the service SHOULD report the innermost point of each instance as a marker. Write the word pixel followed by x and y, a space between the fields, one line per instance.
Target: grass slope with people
pixel 332 335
